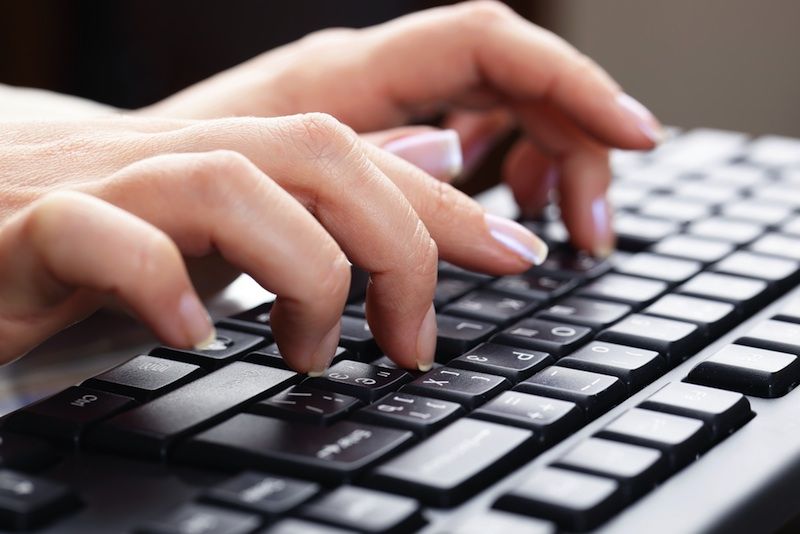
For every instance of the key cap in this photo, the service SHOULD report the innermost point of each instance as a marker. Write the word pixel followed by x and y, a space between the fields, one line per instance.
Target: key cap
pixel 551 420
pixel 586 312
pixel 670 270
pixel 713 317
pixel 271 356
pixel 356 309
pixel 576 501
pixel 571 264
pixel 229 346
pixel 777 245
pixel 491 307
pixel 448 289
pixel 707 192
pixel 455 463
pixel 365 510
pixel 635 292
pixel 635 232
pixel 25 453
pixel 635 367
pixel 792 226
pixel 681 439
pixel 296 526
pixel 307 404
pixel 262 493
pixel 771 269
pixel 749 370
pixel 65 417
pixel 674 209
pixel 743 176
pixel 730 230
pixel 627 195
pixel 334 453
pixel 534 285
pixel 694 248
pixel 454 271
pixel 637 469
pixel 790 312
pixel 456 336
pixel 357 338
pixel 702 147
pixel 361 380
pixel 202 519
pixel 255 321
pixel 676 340
pixel 28 502
pixel 421 415
pixel 150 429
pixel 551 337
pixel 513 363
pixel 495 521
pixel 774 151
pixel 774 335
pixel 595 393
pixel 758 211
pixel 145 377
pixel 744 293
pixel 723 411
pixel 468 388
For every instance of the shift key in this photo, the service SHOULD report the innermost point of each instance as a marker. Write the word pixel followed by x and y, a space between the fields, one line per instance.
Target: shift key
pixel 149 429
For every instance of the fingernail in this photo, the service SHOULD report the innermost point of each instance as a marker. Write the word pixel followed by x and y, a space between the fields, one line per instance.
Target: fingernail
pixel 517 239
pixel 321 359
pixel 645 120
pixel 604 235
pixel 426 341
pixel 438 152
pixel 196 322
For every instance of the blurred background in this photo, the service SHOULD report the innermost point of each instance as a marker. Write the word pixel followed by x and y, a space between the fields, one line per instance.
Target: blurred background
pixel 718 63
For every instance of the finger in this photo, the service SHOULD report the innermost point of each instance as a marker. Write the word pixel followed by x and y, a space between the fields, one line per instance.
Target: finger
pixel 479 131
pixel 435 151
pixel 66 243
pixel 531 175
pixel 256 226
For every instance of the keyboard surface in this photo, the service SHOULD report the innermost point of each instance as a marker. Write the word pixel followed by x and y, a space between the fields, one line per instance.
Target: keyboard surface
pixel 652 391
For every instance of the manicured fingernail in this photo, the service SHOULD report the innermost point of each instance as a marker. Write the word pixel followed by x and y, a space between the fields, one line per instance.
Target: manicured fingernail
pixel 438 152
pixel 426 341
pixel 645 120
pixel 321 359
pixel 604 235
pixel 196 322
pixel 517 239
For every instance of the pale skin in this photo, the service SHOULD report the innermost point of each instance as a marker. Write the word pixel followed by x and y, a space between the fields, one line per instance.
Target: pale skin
pixel 275 168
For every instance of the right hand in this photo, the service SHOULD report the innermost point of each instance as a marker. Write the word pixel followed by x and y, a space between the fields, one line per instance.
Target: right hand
pixel 108 209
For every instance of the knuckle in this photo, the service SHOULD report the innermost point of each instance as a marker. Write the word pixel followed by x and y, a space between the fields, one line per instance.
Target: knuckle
pixel 328 36
pixel 44 217
pixel 324 136
pixel 440 199
pixel 486 11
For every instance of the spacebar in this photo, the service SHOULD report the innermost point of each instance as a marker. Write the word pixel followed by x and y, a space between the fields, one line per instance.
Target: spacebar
pixel 149 429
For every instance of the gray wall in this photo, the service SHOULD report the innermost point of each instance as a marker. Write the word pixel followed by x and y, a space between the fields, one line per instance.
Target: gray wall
pixel 732 64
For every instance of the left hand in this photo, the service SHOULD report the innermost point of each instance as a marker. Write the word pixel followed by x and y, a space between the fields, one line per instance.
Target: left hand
pixel 480 63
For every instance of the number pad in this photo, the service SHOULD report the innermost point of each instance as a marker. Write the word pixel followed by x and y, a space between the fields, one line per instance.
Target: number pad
pixel 513 363
pixel 361 380
pixel 421 415
pixel 469 388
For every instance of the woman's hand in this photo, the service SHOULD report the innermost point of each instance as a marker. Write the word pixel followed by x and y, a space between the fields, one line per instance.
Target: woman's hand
pixel 480 63
pixel 107 208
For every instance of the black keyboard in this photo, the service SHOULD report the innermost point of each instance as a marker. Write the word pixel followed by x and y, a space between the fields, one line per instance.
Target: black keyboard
pixel 653 391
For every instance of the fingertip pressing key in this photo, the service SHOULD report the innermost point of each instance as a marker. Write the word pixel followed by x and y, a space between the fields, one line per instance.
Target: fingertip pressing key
pixel 196 322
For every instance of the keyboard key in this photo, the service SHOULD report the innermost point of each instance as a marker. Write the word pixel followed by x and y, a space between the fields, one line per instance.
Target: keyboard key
pixel 723 411
pixel 229 346
pixel 568 263
pixel 501 360
pixel 749 370
pixel 635 367
pixel 149 429
pixel 759 211
pixel 365 510
pixel 495 521
pixel 671 270
pixel 361 380
pixel 202 519
pixel 448 289
pixel 681 439
pixel 265 494
pixel 145 377
pixel 676 340
pixel 534 285
pixel 271 356
pixel 743 176
pixel 65 417
pixel 356 309
pixel 455 271
pixel 637 469
pixel 774 151
pixel 636 292
pixel 700 148
pixel 421 415
pixel 551 420
pixel 307 404
pixel 694 248
pixel 635 232
pixel 790 312
pixel 730 230
pixel 774 335
pixel 674 209
pixel 297 526
pixel 744 293
pixel 491 307
pixel 255 321
pixel 792 226
pixel 777 245
pixel 332 453
pixel 551 337
pixel 28 502
pixel 586 312
pixel 595 393
pixel 708 192
pixel 468 388
pixel 769 268
pixel 713 317
pixel 357 338
pixel 456 336
pixel 455 463
pixel 576 501
pixel 25 453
